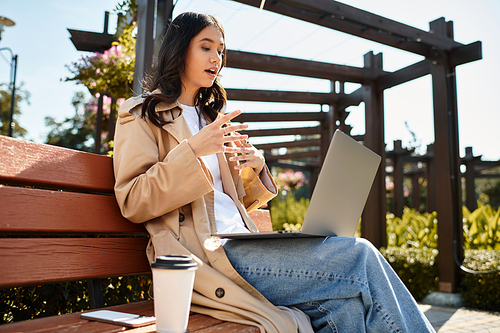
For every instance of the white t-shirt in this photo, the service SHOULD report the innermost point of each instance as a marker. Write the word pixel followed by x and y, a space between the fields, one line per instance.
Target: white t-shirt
pixel 227 216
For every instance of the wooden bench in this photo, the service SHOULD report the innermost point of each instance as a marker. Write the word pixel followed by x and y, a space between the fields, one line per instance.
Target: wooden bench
pixel 66 197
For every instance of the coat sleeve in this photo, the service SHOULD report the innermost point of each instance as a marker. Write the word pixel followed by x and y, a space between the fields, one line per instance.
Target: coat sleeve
pixel 147 187
pixel 255 189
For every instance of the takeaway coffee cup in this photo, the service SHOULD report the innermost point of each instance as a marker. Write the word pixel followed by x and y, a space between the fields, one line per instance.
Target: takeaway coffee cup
pixel 173 279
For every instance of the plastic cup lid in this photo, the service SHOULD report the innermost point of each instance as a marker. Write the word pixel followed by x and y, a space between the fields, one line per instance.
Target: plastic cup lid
pixel 174 261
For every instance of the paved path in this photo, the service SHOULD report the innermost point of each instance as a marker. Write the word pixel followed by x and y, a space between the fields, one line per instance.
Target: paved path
pixel 462 320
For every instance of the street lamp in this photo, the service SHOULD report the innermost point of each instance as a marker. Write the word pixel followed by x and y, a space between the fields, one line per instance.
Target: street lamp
pixel 6 22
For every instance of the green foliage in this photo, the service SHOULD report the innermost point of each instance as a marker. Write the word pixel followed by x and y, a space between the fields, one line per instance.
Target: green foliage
pixel 24 303
pixel 125 289
pixel 112 72
pixel 412 251
pixel 481 291
pixel 413 229
pixel 288 212
pixel 416 267
pixel 481 227
pixel 127 11
pixel 5 108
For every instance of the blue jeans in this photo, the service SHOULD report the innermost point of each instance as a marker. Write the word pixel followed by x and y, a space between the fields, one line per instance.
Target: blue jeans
pixel 343 284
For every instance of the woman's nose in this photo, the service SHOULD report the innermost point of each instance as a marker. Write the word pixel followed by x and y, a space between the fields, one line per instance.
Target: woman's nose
pixel 216 58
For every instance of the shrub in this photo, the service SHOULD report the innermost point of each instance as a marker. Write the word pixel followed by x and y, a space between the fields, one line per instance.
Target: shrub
pixel 413 229
pixel 481 291
pixel 481 227
pixel 289 211
pixel 24 303
pixel 416 267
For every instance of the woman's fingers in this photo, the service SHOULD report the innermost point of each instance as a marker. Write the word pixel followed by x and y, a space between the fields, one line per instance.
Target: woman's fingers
pixel 221 120
pixel 233 128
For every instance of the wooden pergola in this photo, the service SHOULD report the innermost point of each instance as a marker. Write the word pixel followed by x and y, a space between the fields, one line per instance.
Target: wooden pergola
pixel 442 54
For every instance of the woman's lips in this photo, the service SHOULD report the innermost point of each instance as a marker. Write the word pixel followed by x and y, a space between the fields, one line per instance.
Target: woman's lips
pixel 211 72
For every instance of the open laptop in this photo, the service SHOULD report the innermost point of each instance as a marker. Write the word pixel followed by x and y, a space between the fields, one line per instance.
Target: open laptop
pixel 339 197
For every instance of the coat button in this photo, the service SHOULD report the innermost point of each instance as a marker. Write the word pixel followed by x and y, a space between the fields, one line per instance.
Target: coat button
pixel 220 292
pixel 181 217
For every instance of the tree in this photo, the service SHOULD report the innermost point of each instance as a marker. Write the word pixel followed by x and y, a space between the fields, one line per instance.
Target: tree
pixel 75 132
pixel 78 131
pixel 5 107
pixel 110 73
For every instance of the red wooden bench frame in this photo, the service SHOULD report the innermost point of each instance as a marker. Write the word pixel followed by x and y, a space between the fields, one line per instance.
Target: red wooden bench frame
pixel 54 191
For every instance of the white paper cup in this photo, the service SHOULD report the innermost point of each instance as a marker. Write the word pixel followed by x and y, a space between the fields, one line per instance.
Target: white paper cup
pixel 173 279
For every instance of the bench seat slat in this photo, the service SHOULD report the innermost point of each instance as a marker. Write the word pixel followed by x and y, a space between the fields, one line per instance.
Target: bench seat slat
pixel 41 260
pixel 73 323
pixel 28 210
pixel 36 164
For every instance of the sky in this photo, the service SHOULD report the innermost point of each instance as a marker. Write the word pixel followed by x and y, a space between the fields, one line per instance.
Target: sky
pixel 41 40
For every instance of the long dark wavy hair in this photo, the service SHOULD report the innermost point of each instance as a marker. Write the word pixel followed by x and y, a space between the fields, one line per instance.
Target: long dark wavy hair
pixel 171 63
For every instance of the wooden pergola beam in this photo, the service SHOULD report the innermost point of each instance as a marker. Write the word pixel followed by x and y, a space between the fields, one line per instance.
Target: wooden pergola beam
pixel 289 144
pixel 405 74
pixel 351 99
pixel 461 55
pixel 294 156
pixel 299 67
pixel 283 131
pixel 280 116
pixel 361 23
pixel 280 96
pixel 466 53
pixel 320 70
pixel 91 41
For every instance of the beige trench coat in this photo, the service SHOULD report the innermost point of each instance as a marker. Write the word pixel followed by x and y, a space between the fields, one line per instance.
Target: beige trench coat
pixel 160 182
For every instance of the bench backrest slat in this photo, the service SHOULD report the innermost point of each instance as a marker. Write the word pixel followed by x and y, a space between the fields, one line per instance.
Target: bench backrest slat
pixel 40 260
pixel 34 164
pixel 31 211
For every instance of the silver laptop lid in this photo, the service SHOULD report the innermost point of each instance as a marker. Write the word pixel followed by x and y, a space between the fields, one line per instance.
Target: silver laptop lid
pixel 342 188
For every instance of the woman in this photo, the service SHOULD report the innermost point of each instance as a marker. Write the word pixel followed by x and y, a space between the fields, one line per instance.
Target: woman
pixel 184 173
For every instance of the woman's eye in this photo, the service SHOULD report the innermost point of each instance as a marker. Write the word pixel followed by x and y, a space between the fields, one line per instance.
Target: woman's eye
pixel 206 48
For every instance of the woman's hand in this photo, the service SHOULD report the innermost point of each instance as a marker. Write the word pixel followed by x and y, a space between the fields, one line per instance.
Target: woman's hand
pixel 252 157
pixel 211 138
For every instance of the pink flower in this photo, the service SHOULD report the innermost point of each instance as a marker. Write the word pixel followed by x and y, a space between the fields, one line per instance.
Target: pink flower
pixel 292 180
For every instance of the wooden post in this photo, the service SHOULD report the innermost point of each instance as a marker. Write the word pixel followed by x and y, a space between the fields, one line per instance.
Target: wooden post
pixel 144 46
pixel 373 226
pixel 98 125
pixel 163 18
pixel 111 121
pixel 470 175
pixel 415 189
pixel 429 156
pixel 328 125
pixel 447 164
pixel 398 154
